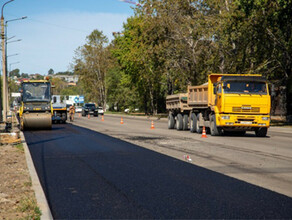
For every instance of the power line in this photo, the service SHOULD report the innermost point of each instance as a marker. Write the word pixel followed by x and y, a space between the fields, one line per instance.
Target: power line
pixel 56 25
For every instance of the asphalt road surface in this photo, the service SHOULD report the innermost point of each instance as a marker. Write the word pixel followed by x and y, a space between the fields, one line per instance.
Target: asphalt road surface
pixel 89 175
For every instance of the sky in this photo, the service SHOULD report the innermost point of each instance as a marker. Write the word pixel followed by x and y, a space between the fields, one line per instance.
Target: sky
pixel 54 29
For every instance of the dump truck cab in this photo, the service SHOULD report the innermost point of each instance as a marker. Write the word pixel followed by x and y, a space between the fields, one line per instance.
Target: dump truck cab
pixel 240 102
pixel 36 108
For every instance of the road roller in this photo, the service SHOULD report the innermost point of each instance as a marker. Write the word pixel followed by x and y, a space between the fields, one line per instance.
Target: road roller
pixel 36 108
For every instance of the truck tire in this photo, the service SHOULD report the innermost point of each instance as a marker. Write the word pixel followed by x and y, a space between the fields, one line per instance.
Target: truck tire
pixel 179 122
pixel 193 123
pixel 198 128
pixel 261 132
pixel 214 130
pixel 185 122
pixel 171 121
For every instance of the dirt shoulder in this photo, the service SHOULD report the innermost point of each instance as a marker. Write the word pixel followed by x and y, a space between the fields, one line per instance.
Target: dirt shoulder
pixel 17 198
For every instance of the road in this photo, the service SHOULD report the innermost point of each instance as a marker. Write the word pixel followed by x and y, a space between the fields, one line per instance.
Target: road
pixel 89 174
pixel 266 162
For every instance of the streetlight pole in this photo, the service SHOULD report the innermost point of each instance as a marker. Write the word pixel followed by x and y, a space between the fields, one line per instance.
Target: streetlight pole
pixel 6 66
pixel 4 72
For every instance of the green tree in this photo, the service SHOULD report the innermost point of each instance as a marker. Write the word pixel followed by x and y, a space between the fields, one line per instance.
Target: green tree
pixel 51 72
pixel 14 72
pixel 58 85
pixel 91 64
pixel 24 75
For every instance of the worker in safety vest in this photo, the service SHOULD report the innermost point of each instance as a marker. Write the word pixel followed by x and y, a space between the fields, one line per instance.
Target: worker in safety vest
pixel 71 112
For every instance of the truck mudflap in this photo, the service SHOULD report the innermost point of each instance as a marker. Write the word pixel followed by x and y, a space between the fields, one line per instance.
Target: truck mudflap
pixel 36 120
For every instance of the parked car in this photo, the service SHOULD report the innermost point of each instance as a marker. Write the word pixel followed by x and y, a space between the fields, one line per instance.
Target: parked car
pixel 89 108
pixel 78 109
pixel 100 110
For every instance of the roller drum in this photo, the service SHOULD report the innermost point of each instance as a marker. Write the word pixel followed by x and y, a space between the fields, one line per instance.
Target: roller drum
pixel 39 121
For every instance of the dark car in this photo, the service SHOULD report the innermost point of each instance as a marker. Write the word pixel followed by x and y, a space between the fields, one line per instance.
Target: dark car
pixel 89 108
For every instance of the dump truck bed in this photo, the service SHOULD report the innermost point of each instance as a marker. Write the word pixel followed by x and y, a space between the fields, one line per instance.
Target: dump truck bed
pixel 177 102
pixel 198 96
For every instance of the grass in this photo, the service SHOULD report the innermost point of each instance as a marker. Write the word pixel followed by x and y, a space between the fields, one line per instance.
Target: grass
pixel 29 183
pixel 20 147
pixel 29 206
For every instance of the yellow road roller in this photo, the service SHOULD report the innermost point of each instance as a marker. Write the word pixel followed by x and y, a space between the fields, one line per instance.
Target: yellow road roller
pixel 36 108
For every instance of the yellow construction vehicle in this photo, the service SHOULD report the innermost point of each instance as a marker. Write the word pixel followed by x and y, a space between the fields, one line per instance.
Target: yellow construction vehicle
pixel 226 103
pixel 36 109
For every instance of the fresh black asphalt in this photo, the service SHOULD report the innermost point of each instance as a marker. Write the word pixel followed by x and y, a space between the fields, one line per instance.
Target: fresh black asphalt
pixel 89 175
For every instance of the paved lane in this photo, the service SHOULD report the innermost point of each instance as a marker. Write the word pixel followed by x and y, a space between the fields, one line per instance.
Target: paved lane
pixel 86 174
pixel 266 162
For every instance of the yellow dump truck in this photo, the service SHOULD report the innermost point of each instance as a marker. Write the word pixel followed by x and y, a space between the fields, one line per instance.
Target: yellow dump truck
pixel 36 109
pixel 227 103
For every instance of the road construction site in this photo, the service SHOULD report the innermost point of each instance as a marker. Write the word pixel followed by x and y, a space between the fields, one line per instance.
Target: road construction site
pixel 265 162
pixel 134 167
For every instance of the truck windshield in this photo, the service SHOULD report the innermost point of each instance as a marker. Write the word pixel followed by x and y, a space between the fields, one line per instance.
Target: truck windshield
pixel 245 87
pixel 36 92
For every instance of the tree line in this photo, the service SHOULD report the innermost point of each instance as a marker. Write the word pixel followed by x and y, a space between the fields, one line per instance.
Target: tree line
pixel 169 44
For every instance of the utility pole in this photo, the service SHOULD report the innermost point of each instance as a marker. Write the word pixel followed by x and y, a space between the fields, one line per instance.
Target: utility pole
pixel 4 67
pixel 4 74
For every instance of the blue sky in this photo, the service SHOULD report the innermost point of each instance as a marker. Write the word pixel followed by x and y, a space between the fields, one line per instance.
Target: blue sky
pixel 54 29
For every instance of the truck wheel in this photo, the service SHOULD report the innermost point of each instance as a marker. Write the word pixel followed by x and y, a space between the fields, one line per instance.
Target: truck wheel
pixel 198 128
pixel 215 131
pixel 179 122
pixel 185 122
pixel 171 121
pixel 261 132
pixel 193 123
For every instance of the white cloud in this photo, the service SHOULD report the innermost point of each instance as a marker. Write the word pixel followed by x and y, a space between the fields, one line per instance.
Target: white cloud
pixel 49 41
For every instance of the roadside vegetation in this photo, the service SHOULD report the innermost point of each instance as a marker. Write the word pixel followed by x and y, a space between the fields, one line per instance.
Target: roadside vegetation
pixel 17 198
pixel 170 44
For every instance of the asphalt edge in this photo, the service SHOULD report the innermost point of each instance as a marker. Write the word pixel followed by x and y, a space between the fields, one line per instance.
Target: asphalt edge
pixel 36 185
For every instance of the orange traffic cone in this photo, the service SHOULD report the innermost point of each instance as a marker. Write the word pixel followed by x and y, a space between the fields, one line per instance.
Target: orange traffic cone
pixel 88 116
pixel 204 133
pixel 79 115
pixel 152 125
pixel 122 122
pixel 102 119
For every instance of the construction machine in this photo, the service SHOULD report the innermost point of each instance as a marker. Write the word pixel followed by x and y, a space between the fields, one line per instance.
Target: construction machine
pixel 35 109
pixel 59 109
pixel 227 103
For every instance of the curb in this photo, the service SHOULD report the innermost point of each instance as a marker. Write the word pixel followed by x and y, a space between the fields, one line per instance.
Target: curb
pixel 36 185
